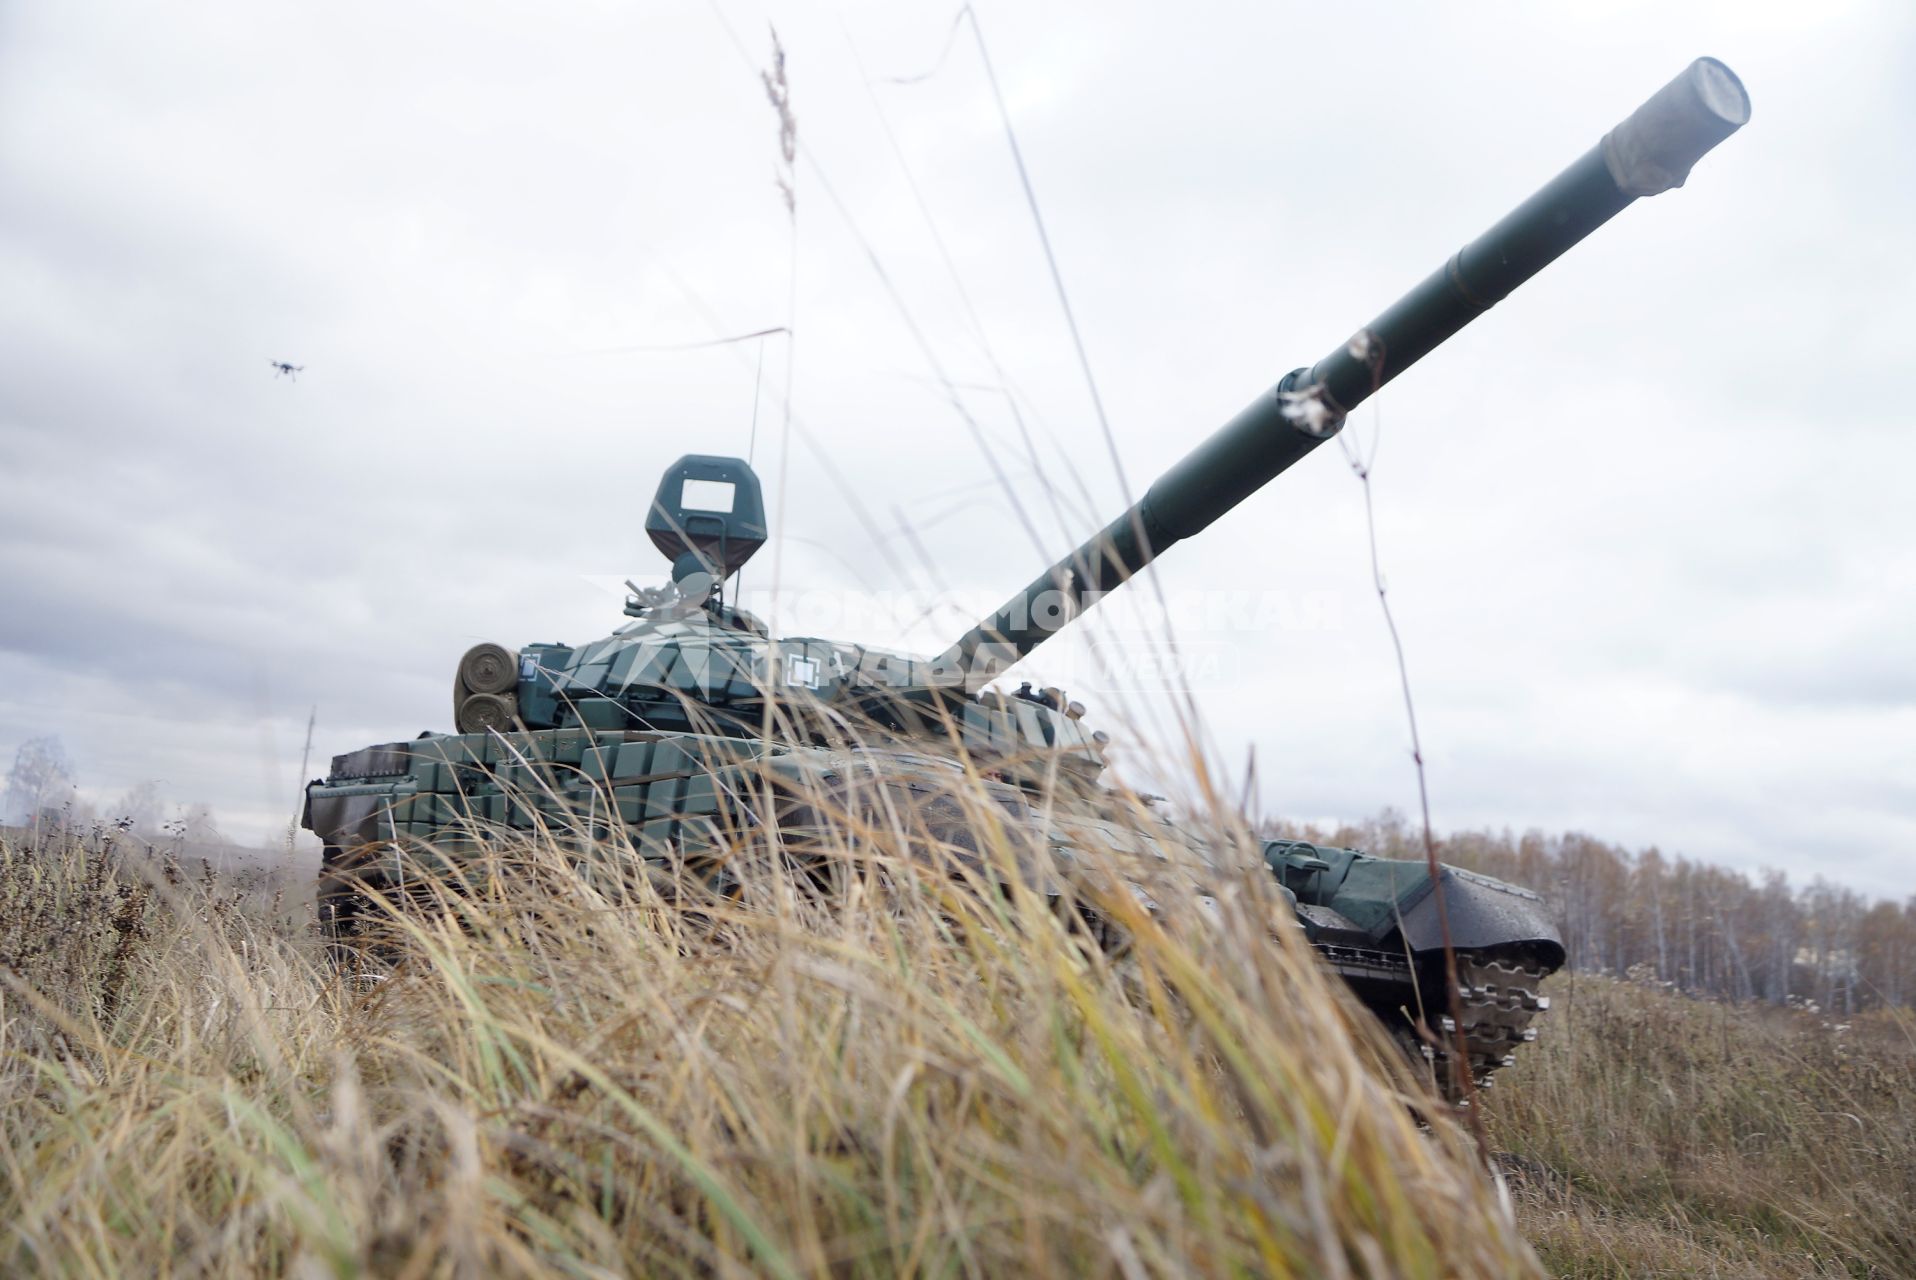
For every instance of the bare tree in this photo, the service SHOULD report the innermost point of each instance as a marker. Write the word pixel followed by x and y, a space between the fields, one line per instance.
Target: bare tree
pixel 40 779
pixel 1650 874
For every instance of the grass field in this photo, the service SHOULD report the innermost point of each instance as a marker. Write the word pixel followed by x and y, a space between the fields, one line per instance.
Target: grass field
pixel 1649 1134
pixel 911 1079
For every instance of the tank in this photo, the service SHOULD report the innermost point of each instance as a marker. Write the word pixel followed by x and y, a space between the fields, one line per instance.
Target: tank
pixel 693 722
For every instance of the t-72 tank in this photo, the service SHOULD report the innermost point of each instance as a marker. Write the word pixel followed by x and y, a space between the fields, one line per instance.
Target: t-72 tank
pixel 692 723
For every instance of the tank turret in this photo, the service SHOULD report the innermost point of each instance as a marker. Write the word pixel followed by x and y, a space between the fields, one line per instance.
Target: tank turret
pixel 708 516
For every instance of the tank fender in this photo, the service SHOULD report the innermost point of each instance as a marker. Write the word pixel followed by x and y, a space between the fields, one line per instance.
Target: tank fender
pixel 1483 913
pixel 349 815
pixel 1390 901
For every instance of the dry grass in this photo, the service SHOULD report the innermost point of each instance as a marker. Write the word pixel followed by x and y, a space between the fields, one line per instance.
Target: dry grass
pixel 1655 1135
pixel 910 1077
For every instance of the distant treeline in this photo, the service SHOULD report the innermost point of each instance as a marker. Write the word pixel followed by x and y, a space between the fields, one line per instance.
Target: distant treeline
pixel 40 797
pixel 1701 929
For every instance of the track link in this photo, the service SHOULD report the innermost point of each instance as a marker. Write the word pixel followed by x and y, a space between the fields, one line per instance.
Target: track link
pixel 1499 991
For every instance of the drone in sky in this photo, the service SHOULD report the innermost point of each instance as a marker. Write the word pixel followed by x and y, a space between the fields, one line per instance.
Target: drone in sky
pixel 290 370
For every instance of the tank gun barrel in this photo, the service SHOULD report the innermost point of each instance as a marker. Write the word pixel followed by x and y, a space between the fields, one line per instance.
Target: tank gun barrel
pixel 1649 152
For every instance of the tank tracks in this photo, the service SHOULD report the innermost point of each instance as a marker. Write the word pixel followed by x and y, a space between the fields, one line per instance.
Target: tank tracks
pixel 1498 989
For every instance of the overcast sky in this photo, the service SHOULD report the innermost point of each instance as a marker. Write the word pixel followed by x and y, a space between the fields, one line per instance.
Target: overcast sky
pixel 1646 525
